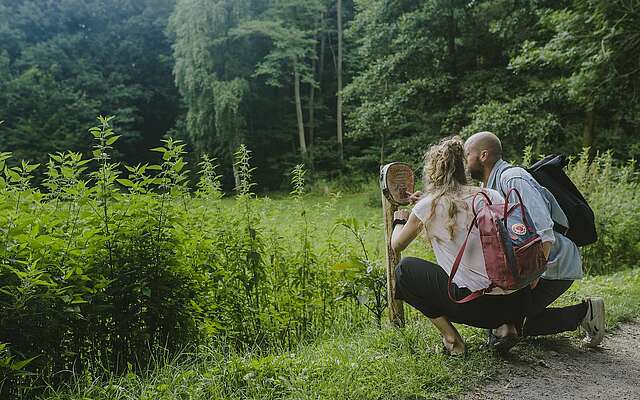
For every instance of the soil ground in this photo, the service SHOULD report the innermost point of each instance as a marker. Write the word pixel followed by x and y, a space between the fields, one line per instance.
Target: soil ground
pixel 559 368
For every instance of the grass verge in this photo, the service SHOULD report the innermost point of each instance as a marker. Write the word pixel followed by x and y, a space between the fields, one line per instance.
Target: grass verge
pixel 369 364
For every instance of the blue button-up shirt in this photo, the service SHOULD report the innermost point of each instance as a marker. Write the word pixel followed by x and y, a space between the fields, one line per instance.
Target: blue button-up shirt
pixel 565 261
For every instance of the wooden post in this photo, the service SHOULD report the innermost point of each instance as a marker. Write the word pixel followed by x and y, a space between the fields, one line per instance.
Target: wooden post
pixel 396 179
pixel 396 309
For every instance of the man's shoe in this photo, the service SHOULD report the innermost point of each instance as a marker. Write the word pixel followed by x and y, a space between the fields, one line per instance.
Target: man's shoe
pixel 593 322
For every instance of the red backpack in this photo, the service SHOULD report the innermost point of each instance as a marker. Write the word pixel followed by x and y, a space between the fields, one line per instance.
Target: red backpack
pixel 512 249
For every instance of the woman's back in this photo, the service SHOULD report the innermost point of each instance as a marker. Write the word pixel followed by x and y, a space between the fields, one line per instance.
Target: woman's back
pixel 447 233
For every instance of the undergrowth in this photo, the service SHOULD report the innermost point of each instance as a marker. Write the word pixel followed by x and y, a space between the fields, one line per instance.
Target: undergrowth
pixel 368 364
pixel 108 271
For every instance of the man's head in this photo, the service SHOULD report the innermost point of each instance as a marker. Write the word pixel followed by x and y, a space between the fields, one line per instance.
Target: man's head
pixel 482 150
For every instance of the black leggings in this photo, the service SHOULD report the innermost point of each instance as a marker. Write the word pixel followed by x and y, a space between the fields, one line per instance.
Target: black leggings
pixel 424 285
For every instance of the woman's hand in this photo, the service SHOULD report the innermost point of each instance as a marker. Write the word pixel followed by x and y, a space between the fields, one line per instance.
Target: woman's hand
pixel 414 197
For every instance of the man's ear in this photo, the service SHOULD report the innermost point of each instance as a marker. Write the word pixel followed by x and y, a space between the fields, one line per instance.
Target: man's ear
pixel 484 155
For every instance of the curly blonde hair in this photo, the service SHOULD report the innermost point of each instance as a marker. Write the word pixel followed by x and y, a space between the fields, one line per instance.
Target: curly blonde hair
pixel 445 177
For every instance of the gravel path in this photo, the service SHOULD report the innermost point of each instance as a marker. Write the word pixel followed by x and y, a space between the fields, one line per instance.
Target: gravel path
pixel 564 370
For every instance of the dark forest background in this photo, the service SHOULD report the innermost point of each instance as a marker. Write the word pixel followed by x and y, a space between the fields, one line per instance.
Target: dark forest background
pixel 555 75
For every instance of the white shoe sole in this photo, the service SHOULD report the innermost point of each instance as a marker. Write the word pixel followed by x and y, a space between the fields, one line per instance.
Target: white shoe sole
pixel 594 325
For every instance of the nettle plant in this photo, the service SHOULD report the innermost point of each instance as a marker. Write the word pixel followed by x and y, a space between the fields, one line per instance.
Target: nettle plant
pixel 108 264
pixel 364 279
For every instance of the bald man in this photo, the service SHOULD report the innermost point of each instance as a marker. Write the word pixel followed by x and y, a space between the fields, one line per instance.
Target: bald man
pixel 483 153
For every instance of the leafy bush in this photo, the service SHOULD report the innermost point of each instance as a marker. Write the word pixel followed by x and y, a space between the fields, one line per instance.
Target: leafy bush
pixel 104 268
pixel 363 280
pixel 614 194
pixel 364 364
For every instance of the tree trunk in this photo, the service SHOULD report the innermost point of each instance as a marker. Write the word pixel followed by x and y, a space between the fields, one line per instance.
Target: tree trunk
pixel 323 46
pixel 236 176
pixel 382 148
pixel 312 91
pixel 588 134
pixel 339 73
pixel 303 144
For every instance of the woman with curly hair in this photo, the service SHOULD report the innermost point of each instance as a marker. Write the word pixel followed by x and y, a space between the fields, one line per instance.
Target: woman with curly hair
pixel 443 214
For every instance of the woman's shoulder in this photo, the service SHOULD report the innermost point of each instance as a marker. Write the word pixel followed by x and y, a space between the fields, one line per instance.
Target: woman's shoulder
pixel 423 207
pixel 473 190
pixel 494 195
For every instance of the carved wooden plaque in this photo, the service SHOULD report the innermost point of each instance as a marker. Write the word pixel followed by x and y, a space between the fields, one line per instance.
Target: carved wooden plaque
pixel 396 179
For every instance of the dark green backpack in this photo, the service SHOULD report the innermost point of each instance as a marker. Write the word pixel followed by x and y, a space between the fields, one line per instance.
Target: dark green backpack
pixel 549 172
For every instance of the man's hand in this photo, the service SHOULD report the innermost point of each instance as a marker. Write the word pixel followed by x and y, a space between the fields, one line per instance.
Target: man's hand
pixel 546 249
pixel 414 197
pixel 401 214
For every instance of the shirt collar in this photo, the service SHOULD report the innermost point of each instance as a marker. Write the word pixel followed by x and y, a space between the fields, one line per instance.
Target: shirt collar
pixel 500 166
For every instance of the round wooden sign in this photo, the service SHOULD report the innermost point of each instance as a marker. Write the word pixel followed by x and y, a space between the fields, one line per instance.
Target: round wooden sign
pixel 396 179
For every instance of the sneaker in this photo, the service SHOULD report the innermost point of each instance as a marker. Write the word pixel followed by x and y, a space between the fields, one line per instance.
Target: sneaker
pixel 593 322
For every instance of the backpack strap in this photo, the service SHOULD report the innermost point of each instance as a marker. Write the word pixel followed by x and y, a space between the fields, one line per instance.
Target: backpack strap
pixel 473 202
pixel 521 205
pixel 556 226
pixel 560 228
pixel 454 270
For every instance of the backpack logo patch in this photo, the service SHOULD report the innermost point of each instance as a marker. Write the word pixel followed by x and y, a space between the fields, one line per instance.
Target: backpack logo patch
pixel 519 229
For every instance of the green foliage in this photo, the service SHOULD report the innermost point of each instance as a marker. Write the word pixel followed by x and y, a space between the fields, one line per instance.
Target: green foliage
pixel 363 280
pixel 10 368
pixel 401 76
pixel 583 59
pixel 212 71
pixel 63 63
pixel 518 121
pixel 287 25
pixel 370 363
pixel 613 192
pixel 110 265
pixel 103 265
pixel 546 74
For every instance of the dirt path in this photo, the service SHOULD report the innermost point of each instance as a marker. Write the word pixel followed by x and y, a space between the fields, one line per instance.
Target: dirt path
pixel 557 368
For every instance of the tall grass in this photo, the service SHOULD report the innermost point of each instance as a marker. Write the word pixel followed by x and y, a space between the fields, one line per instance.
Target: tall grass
pixel 110 263
pixel 360 365
pixel 106 266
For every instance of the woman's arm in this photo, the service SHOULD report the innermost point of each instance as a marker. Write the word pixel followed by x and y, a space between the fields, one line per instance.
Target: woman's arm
pixel 403 235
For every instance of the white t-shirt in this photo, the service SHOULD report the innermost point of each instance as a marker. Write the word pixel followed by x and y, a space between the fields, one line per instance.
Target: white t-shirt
pixel 472 273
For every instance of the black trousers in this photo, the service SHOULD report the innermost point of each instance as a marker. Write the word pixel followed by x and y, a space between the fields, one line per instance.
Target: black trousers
pixel 423 285
pixel 544 320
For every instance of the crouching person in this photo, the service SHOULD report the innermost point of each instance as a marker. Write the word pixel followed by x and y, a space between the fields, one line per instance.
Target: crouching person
pixel 443 214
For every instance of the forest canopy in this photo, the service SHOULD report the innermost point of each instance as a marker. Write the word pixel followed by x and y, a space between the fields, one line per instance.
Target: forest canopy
pixel 341 85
